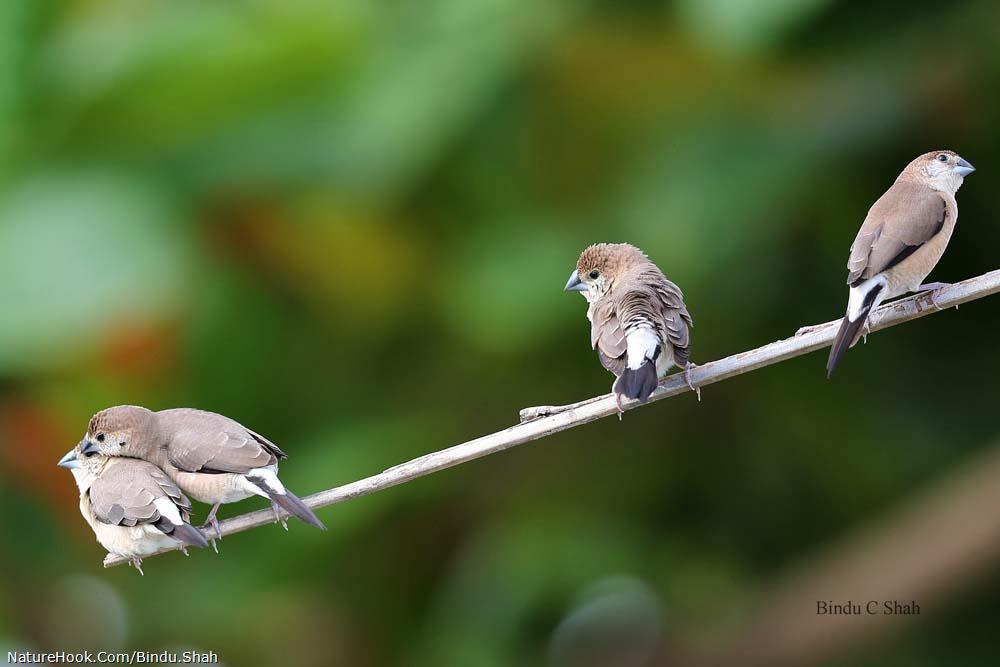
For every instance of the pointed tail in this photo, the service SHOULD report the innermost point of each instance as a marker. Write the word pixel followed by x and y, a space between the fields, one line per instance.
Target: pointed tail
pixel 638 383
pixel 294 506
pixel 186 533
pixel 266 479
pixel 850 329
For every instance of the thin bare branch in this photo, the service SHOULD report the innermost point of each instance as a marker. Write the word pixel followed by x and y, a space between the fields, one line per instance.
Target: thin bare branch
pixel 538 422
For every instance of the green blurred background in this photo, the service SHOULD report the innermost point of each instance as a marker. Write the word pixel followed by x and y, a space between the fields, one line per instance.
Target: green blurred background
pixel 348 224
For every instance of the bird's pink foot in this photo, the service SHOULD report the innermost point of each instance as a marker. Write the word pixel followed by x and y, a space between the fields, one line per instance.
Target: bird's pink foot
pixel 277 516
pixel 933 289
pixel 871 322
pixel 213 523
pixel 687 378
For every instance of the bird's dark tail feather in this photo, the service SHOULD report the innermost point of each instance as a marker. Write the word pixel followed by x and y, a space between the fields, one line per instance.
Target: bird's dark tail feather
pixel 639 383
pixel 289 502
pixel 185 533
pixel 294 506
pixel 850 331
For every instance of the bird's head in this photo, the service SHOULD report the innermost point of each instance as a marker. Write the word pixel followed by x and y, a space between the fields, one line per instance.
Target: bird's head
pixel 86 467
pixel 600 266
pixel 942 170
pixel 120 431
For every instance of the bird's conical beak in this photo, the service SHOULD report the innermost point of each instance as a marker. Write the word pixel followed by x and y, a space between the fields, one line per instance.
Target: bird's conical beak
pixel 69 461
pixel 963 168
pixel 574 284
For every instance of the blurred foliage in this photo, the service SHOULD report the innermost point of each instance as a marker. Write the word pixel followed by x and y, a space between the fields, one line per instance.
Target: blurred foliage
pixel 347 224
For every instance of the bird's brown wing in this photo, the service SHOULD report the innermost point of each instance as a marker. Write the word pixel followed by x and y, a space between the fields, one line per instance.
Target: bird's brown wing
pixel 677 320
pixel 170 489
pixel 650 300
pixel 614 364
pixel 606 335
pixel 126 492
pixel 903 219
pixel 208 442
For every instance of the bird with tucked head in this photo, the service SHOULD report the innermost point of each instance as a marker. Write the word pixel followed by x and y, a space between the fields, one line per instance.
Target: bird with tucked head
pixel 212 458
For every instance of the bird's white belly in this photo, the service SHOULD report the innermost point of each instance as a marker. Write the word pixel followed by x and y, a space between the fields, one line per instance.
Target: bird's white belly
pixel 214 488
pixel 132 541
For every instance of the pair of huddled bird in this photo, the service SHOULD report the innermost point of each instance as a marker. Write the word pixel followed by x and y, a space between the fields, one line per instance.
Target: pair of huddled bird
pixel 134 466
pixel 640 325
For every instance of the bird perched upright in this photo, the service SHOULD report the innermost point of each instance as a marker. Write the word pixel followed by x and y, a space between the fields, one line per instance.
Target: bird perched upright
pixel 212 458
pixel 133 508
pixel 902 239
pixel 639 324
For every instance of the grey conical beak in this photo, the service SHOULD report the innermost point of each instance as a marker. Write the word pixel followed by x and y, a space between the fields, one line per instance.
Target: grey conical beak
pixel 69 461
pixel 574 284
pixel 963 168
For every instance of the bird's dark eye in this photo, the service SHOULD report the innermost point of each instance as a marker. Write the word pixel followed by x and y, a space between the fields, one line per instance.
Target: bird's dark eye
pixel 121 444
pixel 100 437
pixel 942 158
pixel 594 274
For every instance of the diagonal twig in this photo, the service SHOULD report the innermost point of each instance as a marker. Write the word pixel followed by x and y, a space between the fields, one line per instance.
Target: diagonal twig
pixel 537 423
